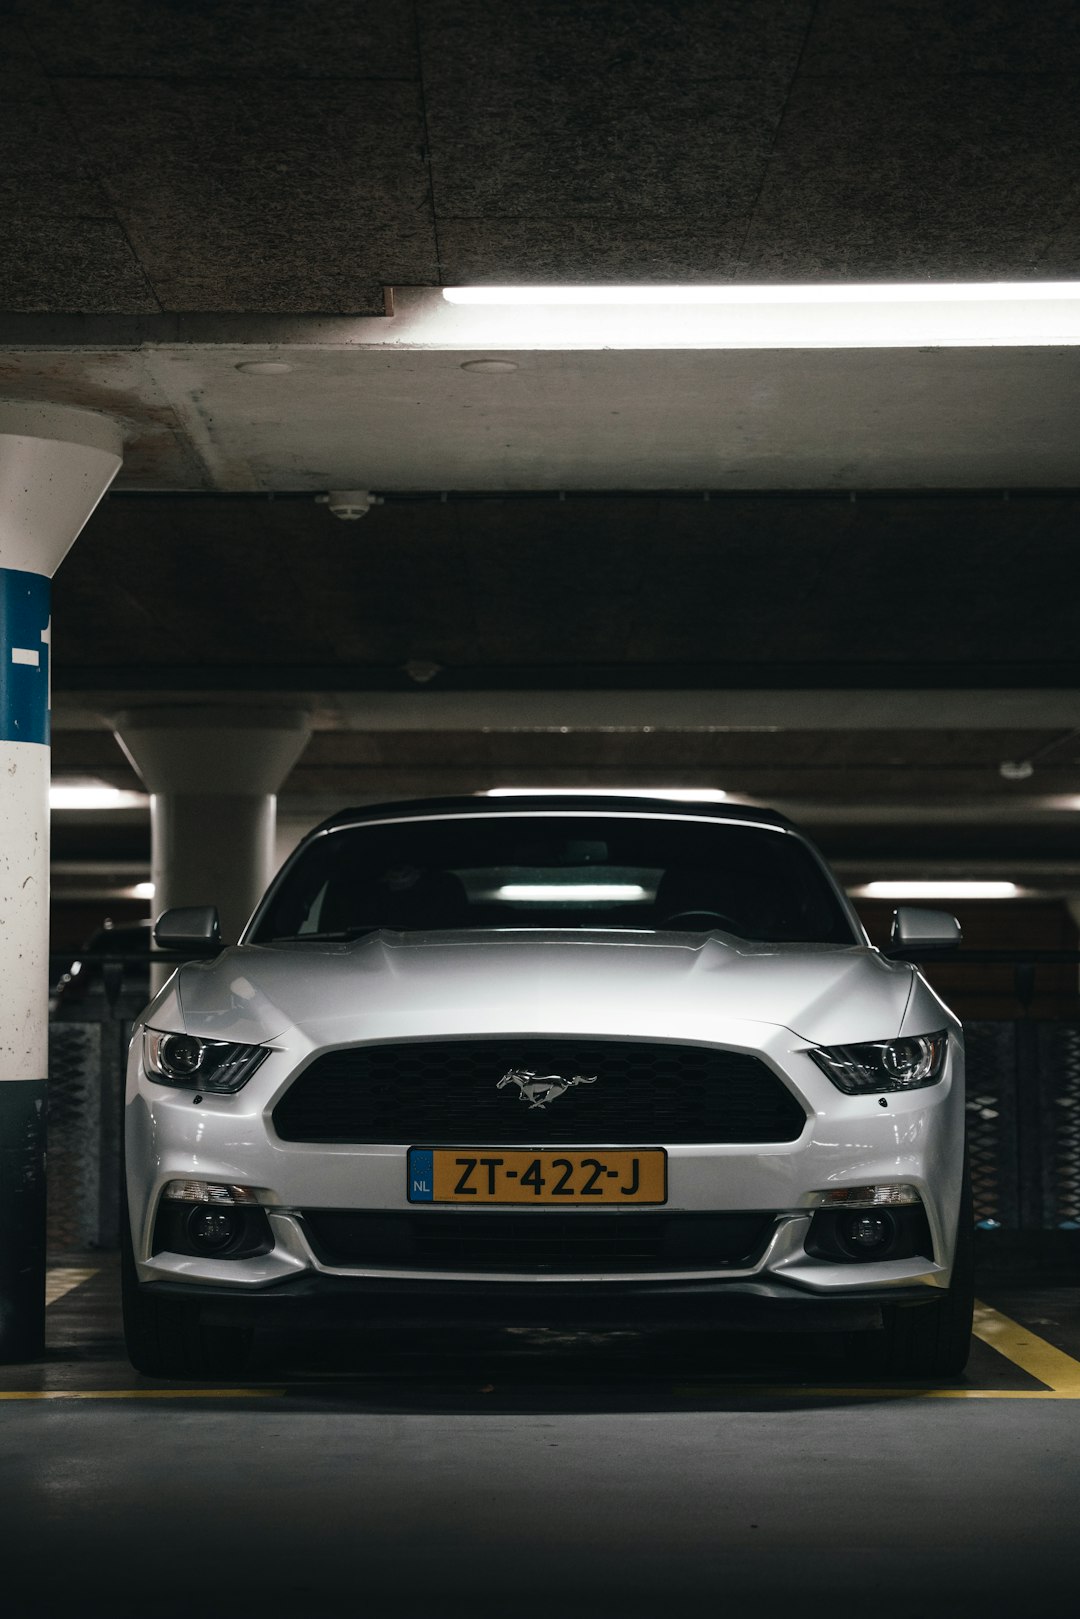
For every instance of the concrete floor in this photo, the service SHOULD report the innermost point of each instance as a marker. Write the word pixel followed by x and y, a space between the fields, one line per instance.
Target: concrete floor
pixel 541 1473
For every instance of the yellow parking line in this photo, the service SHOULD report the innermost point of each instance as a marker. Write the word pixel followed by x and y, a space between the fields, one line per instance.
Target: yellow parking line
pixel 62 1279
pixel 141 1394
pixel 865 1391
pixel 1059 1371
pixel 712 1391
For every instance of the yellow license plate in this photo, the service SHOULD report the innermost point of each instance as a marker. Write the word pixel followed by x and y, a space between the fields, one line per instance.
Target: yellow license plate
pixel 557 1175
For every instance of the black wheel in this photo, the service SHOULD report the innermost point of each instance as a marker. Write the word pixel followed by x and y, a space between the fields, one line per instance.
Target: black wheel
pixel 932 1340
pixel 166 1337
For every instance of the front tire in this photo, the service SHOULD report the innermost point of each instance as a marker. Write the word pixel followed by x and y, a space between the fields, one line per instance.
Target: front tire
pixel 934 1340
pixel 166 1337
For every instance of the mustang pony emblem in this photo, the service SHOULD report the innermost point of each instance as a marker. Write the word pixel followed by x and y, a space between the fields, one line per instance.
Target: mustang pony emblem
pixel 540 1089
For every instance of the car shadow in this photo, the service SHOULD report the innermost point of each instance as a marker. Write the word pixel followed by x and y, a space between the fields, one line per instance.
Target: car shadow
pixel 536 1370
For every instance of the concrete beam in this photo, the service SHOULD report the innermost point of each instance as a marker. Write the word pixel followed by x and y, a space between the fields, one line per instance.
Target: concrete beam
pixel 601 711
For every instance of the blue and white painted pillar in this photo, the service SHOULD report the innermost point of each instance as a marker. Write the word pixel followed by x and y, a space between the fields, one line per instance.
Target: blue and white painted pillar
pixel 55 465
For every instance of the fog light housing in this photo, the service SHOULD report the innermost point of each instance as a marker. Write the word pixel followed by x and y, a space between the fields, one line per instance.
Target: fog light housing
pixel 211 1220
pixel 212 1229
pixel 869 1235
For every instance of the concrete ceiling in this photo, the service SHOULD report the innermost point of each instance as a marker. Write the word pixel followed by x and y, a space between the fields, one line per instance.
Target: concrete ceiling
pixel 297 158
pixel 360 410
pixel 187 187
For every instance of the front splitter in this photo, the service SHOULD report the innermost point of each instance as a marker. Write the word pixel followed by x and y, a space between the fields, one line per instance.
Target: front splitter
pixel 745 1306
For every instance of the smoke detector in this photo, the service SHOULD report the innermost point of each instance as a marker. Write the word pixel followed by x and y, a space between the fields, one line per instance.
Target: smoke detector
pixel 349 504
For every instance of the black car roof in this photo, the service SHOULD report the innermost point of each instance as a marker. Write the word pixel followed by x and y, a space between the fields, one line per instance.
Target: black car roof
pixel 481 805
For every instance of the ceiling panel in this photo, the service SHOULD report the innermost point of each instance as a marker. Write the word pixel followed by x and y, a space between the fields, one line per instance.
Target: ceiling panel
pixel 300 157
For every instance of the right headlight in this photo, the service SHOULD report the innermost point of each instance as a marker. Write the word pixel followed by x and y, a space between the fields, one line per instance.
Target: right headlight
pixel 884 1065
pixel 199 1065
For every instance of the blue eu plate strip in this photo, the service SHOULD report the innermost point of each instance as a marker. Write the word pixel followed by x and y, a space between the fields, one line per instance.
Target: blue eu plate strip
pixel 421 1175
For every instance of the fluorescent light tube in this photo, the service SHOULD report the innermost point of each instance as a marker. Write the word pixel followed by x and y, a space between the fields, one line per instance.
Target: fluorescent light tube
pixel 945 889
pixel 558 893
pixel 94 798
pixel 890 315
pixel 876 292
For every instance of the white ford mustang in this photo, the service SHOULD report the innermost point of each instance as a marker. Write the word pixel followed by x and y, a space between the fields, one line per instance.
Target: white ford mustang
pixel 521 1059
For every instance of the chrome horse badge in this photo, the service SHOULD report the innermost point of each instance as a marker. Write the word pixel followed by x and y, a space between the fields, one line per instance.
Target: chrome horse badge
pixel 540 1089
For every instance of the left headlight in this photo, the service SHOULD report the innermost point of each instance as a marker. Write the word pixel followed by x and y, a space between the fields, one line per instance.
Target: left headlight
pixel 884 1065
pixel 199 1065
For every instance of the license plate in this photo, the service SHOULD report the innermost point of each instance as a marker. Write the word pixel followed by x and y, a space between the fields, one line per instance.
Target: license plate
pixel 559 1176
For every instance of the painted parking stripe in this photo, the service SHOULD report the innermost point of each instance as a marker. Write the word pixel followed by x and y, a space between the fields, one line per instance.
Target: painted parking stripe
pixel 863 1391
pixel 1059 1371
pixel 712 1391
pixel 63 1279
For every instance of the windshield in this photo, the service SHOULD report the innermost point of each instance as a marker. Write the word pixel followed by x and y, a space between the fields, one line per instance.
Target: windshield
pixel 537 870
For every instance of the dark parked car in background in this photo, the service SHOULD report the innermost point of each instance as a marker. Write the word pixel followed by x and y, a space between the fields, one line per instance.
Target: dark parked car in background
pixel 111 974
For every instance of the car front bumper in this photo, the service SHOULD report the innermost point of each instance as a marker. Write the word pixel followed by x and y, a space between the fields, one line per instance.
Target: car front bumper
pixel 915 1138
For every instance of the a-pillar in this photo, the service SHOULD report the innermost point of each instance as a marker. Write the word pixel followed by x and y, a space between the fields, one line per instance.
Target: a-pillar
pixel 213 774
pixel 55 465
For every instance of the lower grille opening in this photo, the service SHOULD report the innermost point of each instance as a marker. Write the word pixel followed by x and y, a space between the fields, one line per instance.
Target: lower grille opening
pixel 536 1243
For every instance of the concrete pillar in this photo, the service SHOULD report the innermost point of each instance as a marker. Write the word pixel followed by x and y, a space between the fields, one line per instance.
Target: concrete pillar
pixel 212 774
pixel 55 465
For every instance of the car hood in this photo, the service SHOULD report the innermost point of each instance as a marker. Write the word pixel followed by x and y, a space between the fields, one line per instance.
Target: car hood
pixel 393 986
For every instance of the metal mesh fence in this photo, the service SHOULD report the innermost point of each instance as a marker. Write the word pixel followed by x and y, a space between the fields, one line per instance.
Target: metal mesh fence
pixel 1059 1074
pixel 86 1067
pixel 76 1083
pixel 1023 1110
pixel 991 1122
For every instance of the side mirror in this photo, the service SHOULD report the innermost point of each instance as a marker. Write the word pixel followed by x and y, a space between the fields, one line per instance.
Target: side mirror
pixel 194 930
pixel 918 934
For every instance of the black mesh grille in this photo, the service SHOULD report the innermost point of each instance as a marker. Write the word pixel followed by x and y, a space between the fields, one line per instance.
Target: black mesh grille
pixel 537 1243
pixel 447 1091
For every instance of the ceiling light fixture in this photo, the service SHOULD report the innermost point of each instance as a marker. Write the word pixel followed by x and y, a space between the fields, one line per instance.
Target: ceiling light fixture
pixel 94 797
pixel 853 315
pixel 874 292
pixel 947 888
pixel 571 893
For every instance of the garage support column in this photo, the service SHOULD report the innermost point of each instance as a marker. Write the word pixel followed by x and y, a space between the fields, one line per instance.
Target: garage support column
pixel 55 465
pixel 213 774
